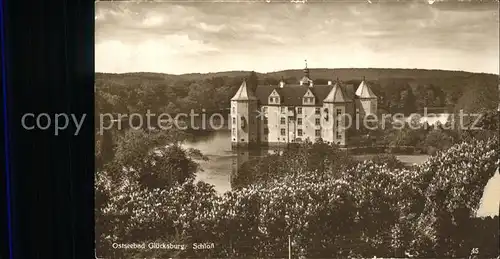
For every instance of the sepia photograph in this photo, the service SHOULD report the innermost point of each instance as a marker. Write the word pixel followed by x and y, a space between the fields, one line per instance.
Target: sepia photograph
pixel 297 129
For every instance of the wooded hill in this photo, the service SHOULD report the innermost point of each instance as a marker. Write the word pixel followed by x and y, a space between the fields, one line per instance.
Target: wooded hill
pixel 399 90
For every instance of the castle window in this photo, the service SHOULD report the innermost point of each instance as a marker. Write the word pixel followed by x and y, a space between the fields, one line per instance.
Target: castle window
pixel 234 120
pixel 283 132
pixel 308 100
pixel 265 121
pixel 274 100
pixel 317 133
pixel 317 111
pixel 234 131
pixel 283 109
pixel 317 122
pixel 299 132
pixel 266 131
pixel 339 136
pixel 283 121
pixel 299 110
pixel 234 109
pixel 339 111
pixel 299 121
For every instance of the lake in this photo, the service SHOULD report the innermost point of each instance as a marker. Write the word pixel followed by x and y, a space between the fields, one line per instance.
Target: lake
pixel 223 160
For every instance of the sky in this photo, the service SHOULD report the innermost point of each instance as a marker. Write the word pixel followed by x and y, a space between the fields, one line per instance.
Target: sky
pixel 200 37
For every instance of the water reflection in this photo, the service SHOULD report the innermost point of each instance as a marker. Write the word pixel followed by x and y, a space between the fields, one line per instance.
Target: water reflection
pixel 224 162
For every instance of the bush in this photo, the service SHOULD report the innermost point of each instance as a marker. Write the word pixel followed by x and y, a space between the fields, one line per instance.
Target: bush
pixel 387 159
pixel 371 209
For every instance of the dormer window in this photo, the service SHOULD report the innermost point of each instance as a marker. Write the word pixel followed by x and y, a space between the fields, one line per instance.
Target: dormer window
pixel 274 98
pixel 308 100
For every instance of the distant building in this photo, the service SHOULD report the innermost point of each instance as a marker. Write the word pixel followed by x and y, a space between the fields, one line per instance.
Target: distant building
pixel 434 119
pixel 292 113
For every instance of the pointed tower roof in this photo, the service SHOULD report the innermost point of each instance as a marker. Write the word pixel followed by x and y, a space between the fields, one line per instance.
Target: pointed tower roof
pixel 244 94
pixel 306 79
pixel 336 95
pixel 364 91
pixel 306 70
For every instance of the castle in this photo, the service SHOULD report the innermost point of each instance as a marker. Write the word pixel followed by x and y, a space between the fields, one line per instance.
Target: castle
pixel 284 114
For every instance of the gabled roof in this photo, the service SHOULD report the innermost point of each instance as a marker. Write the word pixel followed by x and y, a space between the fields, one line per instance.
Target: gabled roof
pixel 336 95
pixel 292 94
pixel 244 94
pixel 309 91
pixel 275 91
pixel 364 91
pixel 305 80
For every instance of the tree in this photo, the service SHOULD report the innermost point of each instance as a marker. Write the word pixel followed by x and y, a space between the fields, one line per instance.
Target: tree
pixel 481 95
pixel 408 101
pixel 154 158
pixel 389 160
pixel 438 139
pixel 325 160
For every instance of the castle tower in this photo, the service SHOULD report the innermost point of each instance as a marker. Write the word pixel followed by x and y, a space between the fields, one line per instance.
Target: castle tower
pixel 244 128
pixel 334 120
pixel 306 79
pixel 306 70
pixel 366 100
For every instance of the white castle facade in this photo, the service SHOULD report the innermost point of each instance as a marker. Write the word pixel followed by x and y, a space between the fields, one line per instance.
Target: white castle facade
pixel 293 113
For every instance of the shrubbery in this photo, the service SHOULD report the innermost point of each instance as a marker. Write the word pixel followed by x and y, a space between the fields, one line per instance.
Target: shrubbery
pixel 370 208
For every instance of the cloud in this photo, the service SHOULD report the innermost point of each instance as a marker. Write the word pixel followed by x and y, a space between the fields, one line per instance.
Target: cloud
pixel 153 21
pixel 251 35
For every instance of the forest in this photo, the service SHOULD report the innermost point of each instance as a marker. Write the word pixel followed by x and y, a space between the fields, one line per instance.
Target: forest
pixel 399 90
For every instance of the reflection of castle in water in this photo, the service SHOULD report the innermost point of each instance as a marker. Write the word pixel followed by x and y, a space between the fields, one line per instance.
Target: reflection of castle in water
pixel 245 154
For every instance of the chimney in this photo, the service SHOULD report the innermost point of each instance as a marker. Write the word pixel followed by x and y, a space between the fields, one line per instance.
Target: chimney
pixel 329 82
